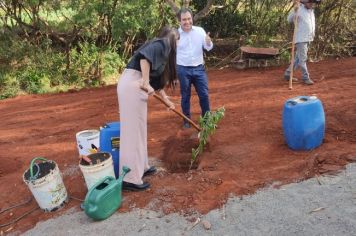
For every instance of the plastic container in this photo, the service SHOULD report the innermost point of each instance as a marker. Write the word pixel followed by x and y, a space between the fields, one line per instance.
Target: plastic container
pixel 46 185
pixel 101 167
pixel 110 142
pixel 88 141
pixel 303 122
pixel 105 197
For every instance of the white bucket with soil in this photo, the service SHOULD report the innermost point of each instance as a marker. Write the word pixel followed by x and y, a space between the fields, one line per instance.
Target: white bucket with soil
pixel 88 141
pixel 45 183
pixel 95 167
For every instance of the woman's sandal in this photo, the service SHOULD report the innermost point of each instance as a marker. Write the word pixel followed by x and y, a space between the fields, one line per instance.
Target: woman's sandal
pixel 135 187
pixel 150 171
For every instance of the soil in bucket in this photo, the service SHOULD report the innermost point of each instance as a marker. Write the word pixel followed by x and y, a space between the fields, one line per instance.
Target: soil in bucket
pixel 177 152
pixel 45 183
pixel 95 167
pixel 96 158
pixel 45 169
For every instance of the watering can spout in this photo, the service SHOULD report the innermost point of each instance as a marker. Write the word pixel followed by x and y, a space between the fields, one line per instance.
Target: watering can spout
pixel 125 170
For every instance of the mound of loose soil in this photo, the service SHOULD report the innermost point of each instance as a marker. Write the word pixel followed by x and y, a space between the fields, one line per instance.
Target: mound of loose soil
pixel 177 152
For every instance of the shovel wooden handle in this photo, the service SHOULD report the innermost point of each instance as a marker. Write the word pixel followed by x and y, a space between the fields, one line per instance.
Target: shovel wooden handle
pixel 178 112
pixel 295 21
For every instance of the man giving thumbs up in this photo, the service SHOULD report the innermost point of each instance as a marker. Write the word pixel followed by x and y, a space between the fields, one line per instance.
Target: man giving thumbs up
pixel 190 63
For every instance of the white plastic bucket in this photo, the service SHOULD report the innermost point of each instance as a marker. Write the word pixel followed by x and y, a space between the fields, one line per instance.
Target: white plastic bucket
pixel 87 141
pixel 96 172
pixel 48 188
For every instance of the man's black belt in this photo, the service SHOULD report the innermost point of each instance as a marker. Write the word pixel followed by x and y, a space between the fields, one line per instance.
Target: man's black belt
pixel 192 66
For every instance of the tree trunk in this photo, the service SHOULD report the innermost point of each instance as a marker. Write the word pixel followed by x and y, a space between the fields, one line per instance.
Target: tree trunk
pixel 204 12
pixel 67 57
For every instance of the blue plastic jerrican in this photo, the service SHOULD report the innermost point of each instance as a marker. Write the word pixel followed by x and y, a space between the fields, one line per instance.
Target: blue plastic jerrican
pixel 110 142
pixel 303 122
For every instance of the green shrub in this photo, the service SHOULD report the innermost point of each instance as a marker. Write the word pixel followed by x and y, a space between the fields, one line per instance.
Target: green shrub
pixel 33 81
pixel 9 86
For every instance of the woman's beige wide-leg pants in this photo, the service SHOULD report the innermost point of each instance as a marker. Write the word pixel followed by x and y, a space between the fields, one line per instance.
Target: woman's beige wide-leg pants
pixel 133 125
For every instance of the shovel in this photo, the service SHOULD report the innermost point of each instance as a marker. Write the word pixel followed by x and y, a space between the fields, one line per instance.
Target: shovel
pixel 176 111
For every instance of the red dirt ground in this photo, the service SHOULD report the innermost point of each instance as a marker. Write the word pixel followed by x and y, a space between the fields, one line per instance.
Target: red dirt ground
pixel 246 153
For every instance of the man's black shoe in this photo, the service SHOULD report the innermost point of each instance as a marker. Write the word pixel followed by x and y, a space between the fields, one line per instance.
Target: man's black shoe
pixel 150 171
pixel 135 187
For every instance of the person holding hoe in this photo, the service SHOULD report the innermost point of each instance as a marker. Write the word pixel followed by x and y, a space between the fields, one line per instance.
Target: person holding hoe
pixel 305 32
pixel 190 63
pixel 151 68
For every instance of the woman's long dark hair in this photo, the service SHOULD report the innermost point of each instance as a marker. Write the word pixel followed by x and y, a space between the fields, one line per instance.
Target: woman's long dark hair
pixel 169 75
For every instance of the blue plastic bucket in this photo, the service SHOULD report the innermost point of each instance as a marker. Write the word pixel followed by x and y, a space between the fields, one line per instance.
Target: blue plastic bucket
pixel 303 122
pixel 110 142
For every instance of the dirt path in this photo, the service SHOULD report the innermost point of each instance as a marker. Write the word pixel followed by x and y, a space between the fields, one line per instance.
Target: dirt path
pixel 247 152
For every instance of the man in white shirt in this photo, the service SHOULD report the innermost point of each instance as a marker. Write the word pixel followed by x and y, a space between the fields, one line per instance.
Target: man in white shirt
pixel 190 62
pixel 304 35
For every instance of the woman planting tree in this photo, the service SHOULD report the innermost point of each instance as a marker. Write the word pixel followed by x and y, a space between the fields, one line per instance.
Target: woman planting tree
pixel 152 67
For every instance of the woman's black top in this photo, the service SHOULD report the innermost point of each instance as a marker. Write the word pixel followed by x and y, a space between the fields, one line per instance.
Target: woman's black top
pixel 156 53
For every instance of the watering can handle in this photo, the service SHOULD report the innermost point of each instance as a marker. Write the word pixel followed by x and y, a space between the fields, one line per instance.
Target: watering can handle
pixel 33 161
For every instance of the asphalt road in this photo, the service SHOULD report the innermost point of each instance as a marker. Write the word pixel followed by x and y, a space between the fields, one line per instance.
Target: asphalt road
pixel 323 206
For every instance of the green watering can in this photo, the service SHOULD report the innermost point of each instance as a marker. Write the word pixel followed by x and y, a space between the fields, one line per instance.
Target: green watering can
pixel 104 198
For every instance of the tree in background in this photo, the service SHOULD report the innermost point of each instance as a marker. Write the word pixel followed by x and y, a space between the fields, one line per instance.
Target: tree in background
pixel 52 45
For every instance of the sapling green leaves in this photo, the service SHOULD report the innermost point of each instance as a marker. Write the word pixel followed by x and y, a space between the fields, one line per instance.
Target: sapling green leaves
pixel 208 124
